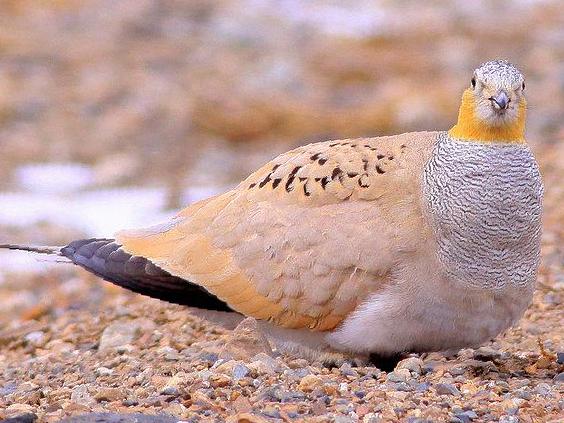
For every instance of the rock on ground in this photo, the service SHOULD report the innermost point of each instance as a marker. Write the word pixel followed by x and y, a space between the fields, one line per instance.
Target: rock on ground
pixel 245 342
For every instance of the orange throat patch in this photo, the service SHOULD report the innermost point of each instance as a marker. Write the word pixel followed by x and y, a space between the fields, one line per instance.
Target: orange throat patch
pixel 471 128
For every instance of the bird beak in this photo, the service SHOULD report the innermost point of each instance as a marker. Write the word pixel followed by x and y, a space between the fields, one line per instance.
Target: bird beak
pixel 500 101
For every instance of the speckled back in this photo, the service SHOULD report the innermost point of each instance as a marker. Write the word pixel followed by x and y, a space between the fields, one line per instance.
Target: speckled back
pixel 485 207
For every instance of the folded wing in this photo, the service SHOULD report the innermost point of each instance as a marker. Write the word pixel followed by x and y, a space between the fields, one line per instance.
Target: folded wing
pixel 306 238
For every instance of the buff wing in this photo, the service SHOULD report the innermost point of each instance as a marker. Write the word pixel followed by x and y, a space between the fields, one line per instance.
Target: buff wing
pixel 306 238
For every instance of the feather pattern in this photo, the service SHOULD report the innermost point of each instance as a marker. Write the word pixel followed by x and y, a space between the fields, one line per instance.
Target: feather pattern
pixel 306 237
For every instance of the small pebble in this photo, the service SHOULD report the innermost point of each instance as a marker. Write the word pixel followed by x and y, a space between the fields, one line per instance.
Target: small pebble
pixel 347 370
pixel 310 382
pixel 446 389
pixel 298 363
pixel 36 338
pixel 457 371
pixel 8 389
pixel 22 418
pixel 120 418
pixel 169 353
pixel 422 387
pixel 290 396
pixel 271 411
pixel 125 349
pixel 486 354
pixel 297 374
pixel 400 375
pixel 264 364
pixel 240 371
pixel 413 364
pixel 130 402
pixel 559 377
pixel 245 342
pixel 467 416
pixel 170 390
pixel 359 394
pixel 371 418
pixel 108 394
pixel 80 395
pixel 430 366
pixel 117 334
pixel 543 389
pixel 403 387
pixel 104 371
pixel 523 393
pixel 209 357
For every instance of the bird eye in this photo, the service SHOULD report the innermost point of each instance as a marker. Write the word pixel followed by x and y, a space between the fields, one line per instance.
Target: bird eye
pixel 523 86
pixel 473 82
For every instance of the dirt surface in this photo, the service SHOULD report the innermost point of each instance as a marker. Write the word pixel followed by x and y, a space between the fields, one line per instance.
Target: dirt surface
pixel 178 94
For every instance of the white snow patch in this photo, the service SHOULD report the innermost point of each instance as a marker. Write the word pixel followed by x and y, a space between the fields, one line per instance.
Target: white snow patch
pixel 54 177
pixel 96 213
pixel 23 262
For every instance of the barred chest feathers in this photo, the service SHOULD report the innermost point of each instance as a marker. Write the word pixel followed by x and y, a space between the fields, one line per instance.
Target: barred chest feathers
pixel 485 206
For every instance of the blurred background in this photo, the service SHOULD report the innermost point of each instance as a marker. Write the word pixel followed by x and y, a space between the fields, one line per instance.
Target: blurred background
pixel 114 114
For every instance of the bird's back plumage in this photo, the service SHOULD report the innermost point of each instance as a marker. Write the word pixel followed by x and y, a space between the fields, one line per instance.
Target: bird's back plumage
pixel 307 237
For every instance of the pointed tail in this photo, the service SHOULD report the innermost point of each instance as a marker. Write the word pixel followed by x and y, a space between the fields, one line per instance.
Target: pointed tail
pixel 107 259
pixel 34 248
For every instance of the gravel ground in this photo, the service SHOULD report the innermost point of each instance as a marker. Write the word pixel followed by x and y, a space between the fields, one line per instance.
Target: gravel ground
pixel 129 354
pixel 146 91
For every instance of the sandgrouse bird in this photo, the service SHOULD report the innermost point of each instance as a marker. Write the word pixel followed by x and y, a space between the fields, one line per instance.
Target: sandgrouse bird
pixel 415 242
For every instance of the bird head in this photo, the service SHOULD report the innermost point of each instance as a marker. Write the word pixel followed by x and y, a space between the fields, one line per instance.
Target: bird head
pixel 493 106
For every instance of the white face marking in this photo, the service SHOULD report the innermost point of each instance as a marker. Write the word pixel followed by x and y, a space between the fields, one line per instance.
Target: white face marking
pixel 499 80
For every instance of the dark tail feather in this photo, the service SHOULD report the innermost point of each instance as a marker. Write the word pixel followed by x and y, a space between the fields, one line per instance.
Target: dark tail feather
pixel 33 248
pixel 106 259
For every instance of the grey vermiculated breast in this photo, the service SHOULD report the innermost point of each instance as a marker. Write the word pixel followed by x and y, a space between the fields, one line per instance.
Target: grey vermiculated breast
pixel 485 204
